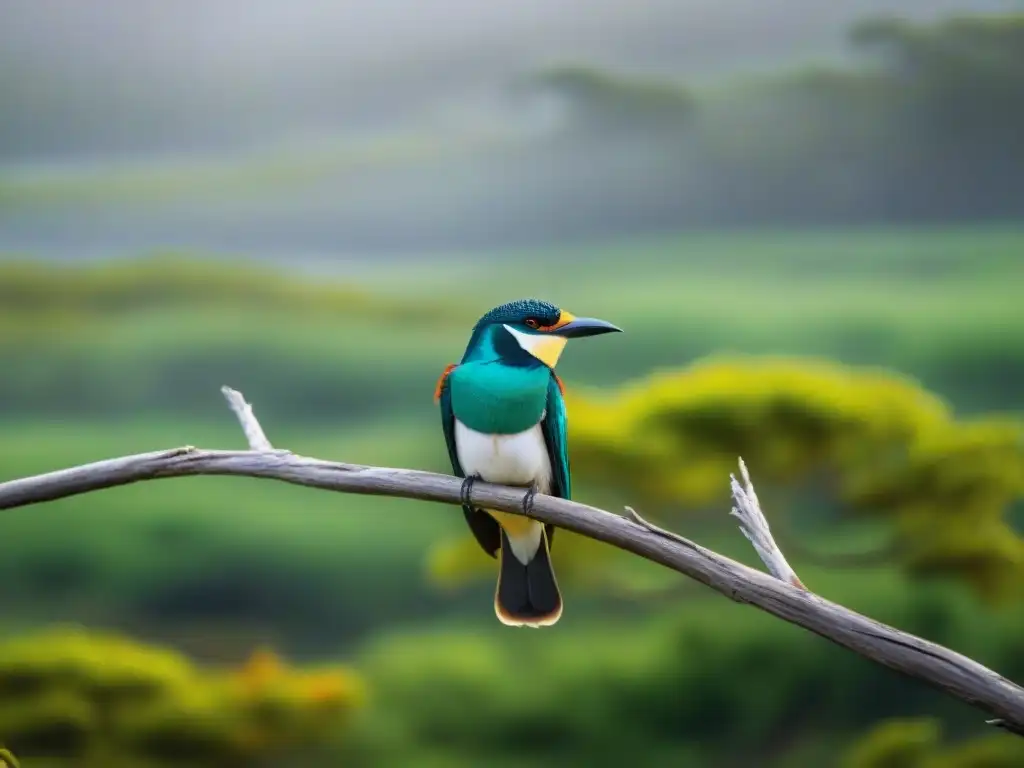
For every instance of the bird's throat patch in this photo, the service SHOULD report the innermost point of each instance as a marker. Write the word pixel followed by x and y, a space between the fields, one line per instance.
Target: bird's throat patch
pixel 548 349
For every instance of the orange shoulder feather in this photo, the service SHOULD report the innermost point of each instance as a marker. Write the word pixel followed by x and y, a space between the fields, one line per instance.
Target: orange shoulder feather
pixel 440 382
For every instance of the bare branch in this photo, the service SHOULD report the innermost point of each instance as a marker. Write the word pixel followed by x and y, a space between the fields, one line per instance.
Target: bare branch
pixel 940 667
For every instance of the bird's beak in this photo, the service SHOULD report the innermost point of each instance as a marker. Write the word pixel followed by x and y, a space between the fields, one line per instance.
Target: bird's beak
pixel 579 327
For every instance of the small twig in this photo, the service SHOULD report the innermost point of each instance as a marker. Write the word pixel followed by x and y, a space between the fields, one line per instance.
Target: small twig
pixel 754 526
pixel 250 426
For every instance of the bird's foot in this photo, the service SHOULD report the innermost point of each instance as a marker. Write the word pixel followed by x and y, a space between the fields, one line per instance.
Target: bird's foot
pixel 528 500
pixel 465 494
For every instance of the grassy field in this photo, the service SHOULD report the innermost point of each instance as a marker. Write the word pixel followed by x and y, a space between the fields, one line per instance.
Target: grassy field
pixel 939 305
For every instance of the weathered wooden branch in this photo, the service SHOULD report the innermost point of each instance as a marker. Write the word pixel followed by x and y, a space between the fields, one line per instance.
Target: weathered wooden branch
pixel 782 595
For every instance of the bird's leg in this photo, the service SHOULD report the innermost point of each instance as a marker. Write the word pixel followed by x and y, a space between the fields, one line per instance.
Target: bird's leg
pixel 465 494
pixel 528 499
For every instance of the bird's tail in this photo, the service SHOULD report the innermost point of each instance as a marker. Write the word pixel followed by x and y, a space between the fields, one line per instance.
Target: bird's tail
pixel 527 594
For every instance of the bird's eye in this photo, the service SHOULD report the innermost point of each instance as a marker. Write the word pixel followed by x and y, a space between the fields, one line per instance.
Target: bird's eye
pixel 531 322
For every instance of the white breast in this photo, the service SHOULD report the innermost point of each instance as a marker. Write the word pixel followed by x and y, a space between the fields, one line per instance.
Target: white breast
pixel 519 459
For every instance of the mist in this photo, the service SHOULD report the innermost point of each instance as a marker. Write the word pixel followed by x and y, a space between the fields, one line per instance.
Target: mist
pixel 292 130
pixel 125 77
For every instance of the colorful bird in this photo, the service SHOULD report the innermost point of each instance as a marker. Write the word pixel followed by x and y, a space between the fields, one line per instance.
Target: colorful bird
pixel 504 421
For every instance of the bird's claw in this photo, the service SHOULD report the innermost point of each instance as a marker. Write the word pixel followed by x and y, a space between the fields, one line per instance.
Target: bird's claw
pixel 465 494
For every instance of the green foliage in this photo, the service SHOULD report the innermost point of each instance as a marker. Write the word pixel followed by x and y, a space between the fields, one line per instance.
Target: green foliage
pixel 918 744
pixel 77 699
pixel 874 443
pixel 787 418
pixel 895 744
pixel 236 557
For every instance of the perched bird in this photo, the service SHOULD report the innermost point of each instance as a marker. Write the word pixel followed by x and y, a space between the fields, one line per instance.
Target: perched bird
pixel 504 421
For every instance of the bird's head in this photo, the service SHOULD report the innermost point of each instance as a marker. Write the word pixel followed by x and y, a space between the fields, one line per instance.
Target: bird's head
pixel 529 329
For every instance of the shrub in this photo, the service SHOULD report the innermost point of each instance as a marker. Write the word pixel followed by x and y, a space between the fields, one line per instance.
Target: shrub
pixel 72 697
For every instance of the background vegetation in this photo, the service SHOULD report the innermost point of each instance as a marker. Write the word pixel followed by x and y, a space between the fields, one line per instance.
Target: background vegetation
pixel 869 371
pixel 218 566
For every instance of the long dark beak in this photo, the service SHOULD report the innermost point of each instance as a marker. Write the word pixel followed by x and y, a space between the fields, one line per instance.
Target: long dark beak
pixel 585 326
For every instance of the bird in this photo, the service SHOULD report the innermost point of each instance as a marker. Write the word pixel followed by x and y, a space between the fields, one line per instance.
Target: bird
pixel 504 419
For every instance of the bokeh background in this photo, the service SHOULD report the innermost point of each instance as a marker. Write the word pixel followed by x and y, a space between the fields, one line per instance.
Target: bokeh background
pixel 807 217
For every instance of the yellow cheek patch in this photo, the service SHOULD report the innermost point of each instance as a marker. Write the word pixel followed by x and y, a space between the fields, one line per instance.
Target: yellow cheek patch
pixel 548 349
pixel 545 348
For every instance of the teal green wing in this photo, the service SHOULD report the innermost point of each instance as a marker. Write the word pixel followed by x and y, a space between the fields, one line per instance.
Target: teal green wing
pixel 554 429
pixel 485 528
pixel 444 397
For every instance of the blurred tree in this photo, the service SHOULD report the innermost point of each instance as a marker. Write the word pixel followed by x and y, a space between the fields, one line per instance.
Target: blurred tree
pixel 961 94
pixel 78 699
pixel 861 442
pixel 602 104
